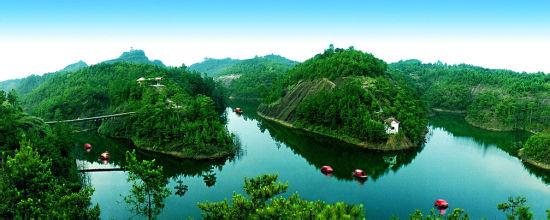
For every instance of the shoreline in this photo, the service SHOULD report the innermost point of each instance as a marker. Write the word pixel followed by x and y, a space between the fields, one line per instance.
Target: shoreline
pixel 352 141
pixel 532 162
pixel 464 113
pixel 176 154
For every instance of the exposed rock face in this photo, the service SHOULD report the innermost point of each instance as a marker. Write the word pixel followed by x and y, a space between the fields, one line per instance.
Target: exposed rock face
pixel 285 108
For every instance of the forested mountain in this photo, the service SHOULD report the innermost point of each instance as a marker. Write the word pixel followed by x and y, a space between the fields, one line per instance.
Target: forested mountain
pixel 74 67
pixel 491 99
pixel 252 78
pixel 347 94
pixel 213 67
pixel 135 56
pixel 8 85
pixel 27 84
pixel 179 117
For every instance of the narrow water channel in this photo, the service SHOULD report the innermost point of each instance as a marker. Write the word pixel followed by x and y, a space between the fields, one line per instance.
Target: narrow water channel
pixel 471 168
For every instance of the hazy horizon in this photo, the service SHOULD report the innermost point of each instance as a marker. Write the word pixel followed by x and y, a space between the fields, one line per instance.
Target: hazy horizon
pixel 38 37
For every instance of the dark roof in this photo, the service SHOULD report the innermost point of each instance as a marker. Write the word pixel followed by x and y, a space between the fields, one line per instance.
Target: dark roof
pixel 390 119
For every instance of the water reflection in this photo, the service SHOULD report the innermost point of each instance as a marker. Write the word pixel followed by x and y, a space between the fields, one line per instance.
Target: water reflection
pixel 508 141
pixel 173 167
pixel 343 158
pixel 180 189
pixel 320 151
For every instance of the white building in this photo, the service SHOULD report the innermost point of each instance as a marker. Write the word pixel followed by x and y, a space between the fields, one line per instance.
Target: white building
pixel 392 125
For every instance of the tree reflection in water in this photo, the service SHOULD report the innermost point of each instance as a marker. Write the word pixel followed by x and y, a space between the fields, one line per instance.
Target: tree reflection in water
pixel 209 178
pixel 180 188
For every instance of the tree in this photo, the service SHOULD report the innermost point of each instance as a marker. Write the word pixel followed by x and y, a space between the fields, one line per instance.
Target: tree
pixel 148 186
pixel 12 98
pixel 30 190
pixel 263 189
pixel 536 147
pixel 456 214
pixel 515 208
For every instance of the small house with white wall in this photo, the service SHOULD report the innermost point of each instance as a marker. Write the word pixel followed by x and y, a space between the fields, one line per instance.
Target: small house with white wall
pixel 392 125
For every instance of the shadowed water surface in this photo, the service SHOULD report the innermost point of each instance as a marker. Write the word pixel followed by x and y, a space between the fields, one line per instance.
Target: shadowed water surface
pixel 471 168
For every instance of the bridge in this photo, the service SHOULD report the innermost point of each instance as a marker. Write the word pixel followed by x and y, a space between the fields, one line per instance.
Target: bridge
pixel 92 118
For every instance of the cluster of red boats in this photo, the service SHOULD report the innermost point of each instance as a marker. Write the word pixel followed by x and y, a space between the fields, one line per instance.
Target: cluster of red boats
pixel 440 204
pixel 357 173
pixel 103 156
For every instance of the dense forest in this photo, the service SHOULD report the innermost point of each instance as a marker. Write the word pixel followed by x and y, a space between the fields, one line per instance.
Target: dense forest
pixel 246 79
pixel 252 78
pixel 25 85
pixel 347 93
pixel 491 99
pixel 537 149
pixel 213 67
pixel 38 175
pixel 180 114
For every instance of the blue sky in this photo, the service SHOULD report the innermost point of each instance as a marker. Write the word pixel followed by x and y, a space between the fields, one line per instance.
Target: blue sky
pixel 52 34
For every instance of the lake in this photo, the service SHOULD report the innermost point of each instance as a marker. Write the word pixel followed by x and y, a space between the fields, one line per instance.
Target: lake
pixel 471 168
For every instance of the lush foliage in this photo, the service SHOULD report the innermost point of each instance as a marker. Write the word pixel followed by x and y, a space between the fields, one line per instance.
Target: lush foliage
pixel 537 147
pixel 358 107
pixel 456 214
pixel 38 177
pixel 213 67
pixel 336 63
pixel 29 189
pixel 516 208
pixel 148 186
pixel 362 97
pixel 25 85
pixel 182 116
pixel 135 56
pixel 254 77
pixel 261 204
pixel 494 99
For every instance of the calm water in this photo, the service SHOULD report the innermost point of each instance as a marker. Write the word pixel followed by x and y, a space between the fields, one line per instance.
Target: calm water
pixel 470 168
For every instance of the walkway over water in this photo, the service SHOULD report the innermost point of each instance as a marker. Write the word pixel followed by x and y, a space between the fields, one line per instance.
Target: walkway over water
pixel 92 118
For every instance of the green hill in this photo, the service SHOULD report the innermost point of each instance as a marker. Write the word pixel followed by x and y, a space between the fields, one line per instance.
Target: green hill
pixel 490 99
pixel 346 94
pixel 180 118
pixel 252 78
pixel 74 67
pixel 213 67
pixel 25 85
pixel 8 85
pixel 135 56
pixel 537 150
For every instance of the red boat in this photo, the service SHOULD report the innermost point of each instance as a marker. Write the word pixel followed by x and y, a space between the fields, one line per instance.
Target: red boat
pixel 238 110
pixel 327 170
pixel 442 204
pixel 360 174
pixel 104 155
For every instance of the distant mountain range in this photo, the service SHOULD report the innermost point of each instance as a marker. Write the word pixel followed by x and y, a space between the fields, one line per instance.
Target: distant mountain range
pixel 227 66
pixel 27 84
pixel 214 67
